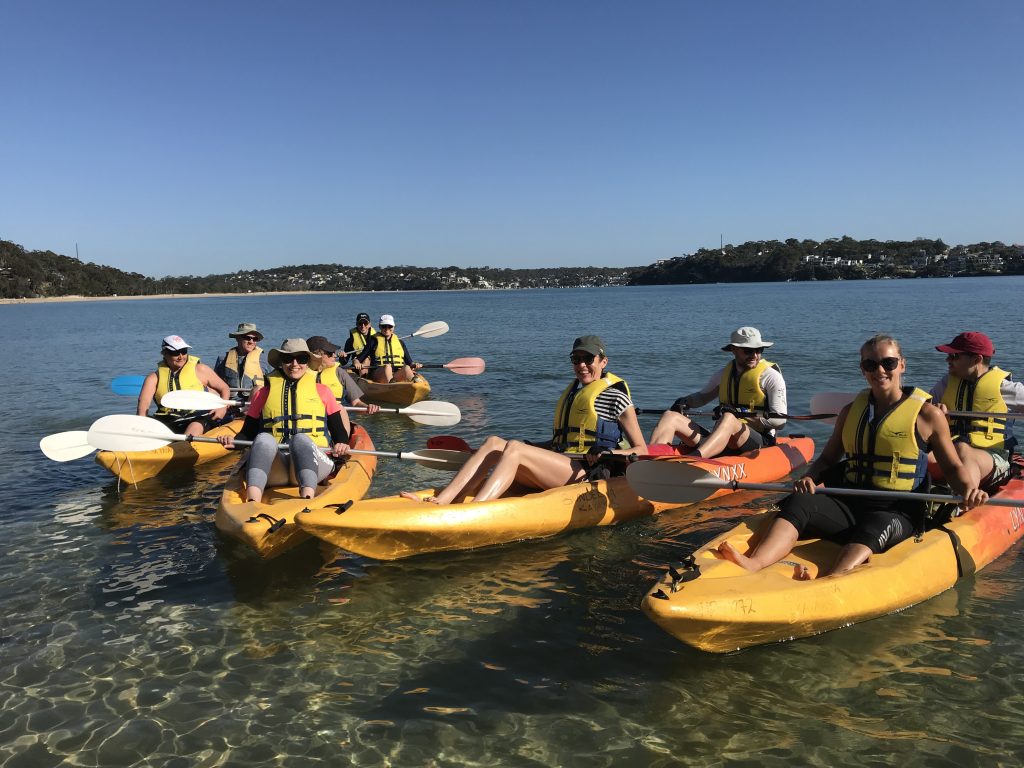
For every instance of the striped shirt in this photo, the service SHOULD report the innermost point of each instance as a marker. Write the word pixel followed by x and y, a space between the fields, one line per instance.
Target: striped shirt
pixel 612 403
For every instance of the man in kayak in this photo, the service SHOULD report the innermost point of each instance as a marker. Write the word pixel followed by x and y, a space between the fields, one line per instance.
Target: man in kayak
pixel 972 383
pixel 387 355
pixel 749 389
pixel 593 416
pixel 241 366
pixel 179 370
pixel 885 435
pixel 293 410
pixel 358 338
pixel 329 372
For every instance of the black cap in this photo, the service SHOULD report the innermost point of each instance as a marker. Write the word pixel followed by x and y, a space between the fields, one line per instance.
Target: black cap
pixel 361 317
pixel 591 344
pixel 321 342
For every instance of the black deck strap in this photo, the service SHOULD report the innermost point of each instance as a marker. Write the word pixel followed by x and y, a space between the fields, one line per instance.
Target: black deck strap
pixel 263 515
pixel 660 595
pixel 342 508
pixel 689 570
pixel 963 568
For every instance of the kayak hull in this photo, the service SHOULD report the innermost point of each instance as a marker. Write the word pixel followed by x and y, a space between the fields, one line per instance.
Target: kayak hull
pixel 400 393
pixel 726 608
pixel 268 527
pixel 392 528
pixel 136 466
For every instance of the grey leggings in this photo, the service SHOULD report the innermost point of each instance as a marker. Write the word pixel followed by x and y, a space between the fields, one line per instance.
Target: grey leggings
pixel 304 464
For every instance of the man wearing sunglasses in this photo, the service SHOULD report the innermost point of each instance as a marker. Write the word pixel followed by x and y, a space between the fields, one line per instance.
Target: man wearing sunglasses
pixel 972 383
pixel 357 340
pixel 178 369
pixel 749 389
pixel 325 364
pixel 241 366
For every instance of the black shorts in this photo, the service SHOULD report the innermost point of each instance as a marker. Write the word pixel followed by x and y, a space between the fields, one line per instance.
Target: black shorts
pixel 180 423
pixel 876 523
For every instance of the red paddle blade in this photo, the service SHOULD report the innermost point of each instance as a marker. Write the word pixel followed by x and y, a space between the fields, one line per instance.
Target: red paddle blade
pixel 467 366
pixel 448 443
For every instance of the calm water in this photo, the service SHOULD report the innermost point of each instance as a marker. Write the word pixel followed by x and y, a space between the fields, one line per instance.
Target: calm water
pixel 132 634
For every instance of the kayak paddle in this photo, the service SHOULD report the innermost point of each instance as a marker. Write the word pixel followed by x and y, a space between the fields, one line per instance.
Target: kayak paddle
pixel 131 386
pixel 66 446
pixel 466 366
pixel 806 417
pixel 683 483
pixel 429 331
pixel 139 433
pixel 435 413
pixel 836 401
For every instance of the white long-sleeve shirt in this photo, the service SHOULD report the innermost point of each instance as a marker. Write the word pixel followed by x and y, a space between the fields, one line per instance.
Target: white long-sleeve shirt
pixel 771 383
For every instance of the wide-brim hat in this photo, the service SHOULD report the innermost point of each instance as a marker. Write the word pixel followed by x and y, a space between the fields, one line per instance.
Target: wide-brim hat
pixel 746 337
pixel 288 347
pixel 971 343
pixel 246 329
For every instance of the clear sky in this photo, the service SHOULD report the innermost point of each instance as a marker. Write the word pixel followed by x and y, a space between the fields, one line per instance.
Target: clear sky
pixel 197 137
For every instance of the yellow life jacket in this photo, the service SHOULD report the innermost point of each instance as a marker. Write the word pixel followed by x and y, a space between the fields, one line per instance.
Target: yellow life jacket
pixel 294 407
pixel 329 378
pixel 359 340
pixel 388 351
pixel 744 391
pixel 889 453
pixel 249 375
pixel 990 434
pixel 168 381
pixel 577 426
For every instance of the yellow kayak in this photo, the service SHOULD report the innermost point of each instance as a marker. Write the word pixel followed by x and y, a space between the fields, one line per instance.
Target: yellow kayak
pixel 268 526
pixel 393 527
pixel 400 393
pixel 135 466
pixel 724 608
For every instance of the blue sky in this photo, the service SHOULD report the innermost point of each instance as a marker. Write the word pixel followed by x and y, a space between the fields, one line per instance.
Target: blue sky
pixel 205 137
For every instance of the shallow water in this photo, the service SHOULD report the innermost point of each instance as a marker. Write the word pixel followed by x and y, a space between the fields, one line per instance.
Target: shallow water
pixel 132 634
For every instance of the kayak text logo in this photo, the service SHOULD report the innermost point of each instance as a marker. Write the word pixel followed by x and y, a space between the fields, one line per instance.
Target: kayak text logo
pixel 734 472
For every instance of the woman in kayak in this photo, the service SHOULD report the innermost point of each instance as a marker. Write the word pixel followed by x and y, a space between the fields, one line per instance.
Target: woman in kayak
pixel 592 417
pixel 885 435
pixel 291 408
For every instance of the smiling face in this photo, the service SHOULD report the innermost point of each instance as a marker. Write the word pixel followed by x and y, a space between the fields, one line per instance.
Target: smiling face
pixel 387 330
pixel 747 358
pixel 882 365
pixel 294 366
pixel 246 344
pixel 588 367
pixel 175 359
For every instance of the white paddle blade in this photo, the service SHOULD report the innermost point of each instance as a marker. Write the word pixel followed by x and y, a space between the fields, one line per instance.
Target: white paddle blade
pixel 130 433
pixel 430 330
pixel 66 446
pixel 438 458
pixel 673 482
pixel 831 402
pixel 194 400
pixel 434 413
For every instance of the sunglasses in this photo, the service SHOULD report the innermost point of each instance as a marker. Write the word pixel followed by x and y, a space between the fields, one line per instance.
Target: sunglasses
pixel 302 359
pixel 250 338
pixel 752 350
pixel 325 353
pixel 956 355
pixel 584 357
pixel 175 352
pixel 386 326
pixel 887 364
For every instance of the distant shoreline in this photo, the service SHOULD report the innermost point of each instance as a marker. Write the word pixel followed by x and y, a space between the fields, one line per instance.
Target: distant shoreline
pixel 49 299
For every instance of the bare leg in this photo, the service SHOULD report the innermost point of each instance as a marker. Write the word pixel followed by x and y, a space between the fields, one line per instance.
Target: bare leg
pixel 728 432
pixel 404 374
pixel 539 467
pixel 850 557
pixel 195 429
pixel 473 471
pixel 672 424
pixel 978 462
pixel 777 543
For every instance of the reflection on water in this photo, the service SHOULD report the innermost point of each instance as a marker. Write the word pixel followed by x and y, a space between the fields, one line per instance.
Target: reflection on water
pixel 133 634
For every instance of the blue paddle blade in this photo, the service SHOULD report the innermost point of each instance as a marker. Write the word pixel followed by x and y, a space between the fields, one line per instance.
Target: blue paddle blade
pixel 127 385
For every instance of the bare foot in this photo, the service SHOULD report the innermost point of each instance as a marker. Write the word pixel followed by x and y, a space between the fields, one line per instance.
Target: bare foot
pixel 800 573
pixel 413 497
pixel 730 553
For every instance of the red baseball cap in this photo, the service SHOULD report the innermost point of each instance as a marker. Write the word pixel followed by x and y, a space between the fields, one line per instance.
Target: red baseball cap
pixel 971 342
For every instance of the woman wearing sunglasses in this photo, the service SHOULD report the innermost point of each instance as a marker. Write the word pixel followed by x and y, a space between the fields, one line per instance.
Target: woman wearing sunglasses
pixel 885 434
pixel 593 416
pixel 178 369
pixel 292 409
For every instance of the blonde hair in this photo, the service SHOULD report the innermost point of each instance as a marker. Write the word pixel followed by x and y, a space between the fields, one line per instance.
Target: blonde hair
pixel 881 338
